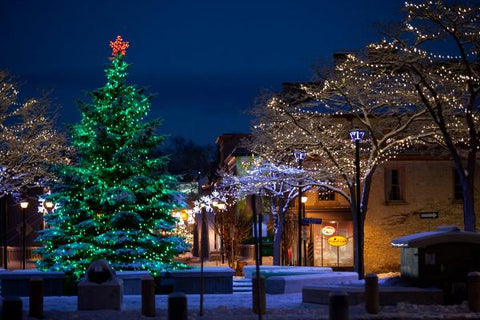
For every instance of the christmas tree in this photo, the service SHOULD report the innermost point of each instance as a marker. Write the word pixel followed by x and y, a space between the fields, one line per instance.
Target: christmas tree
pixel 114 203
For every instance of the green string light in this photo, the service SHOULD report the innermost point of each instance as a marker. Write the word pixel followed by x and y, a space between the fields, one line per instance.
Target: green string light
pixel 112 200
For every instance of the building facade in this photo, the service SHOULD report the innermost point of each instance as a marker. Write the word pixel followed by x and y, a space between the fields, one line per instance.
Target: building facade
pixel 410 194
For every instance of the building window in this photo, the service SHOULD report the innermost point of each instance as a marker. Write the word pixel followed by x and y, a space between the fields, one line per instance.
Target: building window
pixel 457 187
pixel 394 185
pixel 326 194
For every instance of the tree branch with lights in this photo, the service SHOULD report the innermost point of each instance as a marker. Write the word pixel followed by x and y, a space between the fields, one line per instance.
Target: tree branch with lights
pixel 317 117
pixel 29 144
pixel 436 49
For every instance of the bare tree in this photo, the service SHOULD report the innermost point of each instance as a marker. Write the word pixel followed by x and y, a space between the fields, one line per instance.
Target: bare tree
pixel 316 117
pixel 436 52
pixel 278 183
pixel 29 143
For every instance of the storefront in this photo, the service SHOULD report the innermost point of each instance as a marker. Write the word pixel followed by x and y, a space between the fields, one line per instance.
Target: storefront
pixel 331 242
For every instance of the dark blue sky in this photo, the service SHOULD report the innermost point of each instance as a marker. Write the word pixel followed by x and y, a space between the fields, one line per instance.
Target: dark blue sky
pixel 205 61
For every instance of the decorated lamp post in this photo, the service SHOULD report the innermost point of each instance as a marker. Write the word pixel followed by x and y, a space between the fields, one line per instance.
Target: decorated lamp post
pixel 357 135
pixel 24 206
pixel 299 156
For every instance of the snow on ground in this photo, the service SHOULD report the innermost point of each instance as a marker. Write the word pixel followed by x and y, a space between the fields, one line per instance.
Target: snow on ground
pixel 238 306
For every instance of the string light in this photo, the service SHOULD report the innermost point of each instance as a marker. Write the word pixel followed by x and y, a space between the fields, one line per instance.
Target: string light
pixel 114 202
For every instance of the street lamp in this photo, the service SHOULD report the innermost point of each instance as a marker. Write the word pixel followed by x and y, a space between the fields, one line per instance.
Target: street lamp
pixel 299 156
pixel 48 205
pixel 203 232
pixel 304 200
pixel 357 135
pixel 24 205
pixel 184 216
pixel 221 206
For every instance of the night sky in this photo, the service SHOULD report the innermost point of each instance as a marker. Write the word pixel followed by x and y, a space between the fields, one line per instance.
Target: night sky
pixel 205 61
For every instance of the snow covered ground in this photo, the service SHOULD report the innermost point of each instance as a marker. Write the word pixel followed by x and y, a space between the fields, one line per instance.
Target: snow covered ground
pixel 238 306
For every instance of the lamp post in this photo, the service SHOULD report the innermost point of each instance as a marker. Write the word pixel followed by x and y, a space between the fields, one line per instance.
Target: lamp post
pixel 299 156
pixel 357 135
pixel 304 200
pixel 24 206
pixel 48 205
pixel 202 252
pixel 221 206
pixel 3 202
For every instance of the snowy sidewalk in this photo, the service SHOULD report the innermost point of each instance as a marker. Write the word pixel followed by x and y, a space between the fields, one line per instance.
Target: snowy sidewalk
pixel 239 306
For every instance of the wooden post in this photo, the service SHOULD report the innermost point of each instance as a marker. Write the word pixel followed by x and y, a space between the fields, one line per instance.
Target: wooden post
pixel 474 291
pixel 256 300
pixel 372 299
pixel 12 308
pixel 338 305
pixel 177 306
pixel 148 296
pixel 36 298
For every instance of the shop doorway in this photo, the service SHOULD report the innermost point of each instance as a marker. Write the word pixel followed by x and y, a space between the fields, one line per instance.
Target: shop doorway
pixel 333 244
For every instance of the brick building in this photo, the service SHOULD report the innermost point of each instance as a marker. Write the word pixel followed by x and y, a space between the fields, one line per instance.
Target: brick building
pixel 410 194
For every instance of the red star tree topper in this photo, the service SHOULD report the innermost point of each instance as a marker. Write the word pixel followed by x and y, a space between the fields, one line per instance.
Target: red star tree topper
pixel 118 46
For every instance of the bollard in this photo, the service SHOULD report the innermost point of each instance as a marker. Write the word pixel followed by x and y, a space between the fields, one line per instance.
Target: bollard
pixel 36 298
pixel 255 300
pixel 12 308
pixel 177 306
pixel 474 291
pixel 148 296
pixel 372 299
pixel 338 305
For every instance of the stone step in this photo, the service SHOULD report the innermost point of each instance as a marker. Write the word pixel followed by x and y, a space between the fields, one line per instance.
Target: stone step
pixel 242 285
pixel 242 280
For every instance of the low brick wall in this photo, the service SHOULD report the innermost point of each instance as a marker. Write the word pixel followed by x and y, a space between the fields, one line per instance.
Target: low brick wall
pixel 216 280
pixel 132 281
pixel 270 271
pixel 16 283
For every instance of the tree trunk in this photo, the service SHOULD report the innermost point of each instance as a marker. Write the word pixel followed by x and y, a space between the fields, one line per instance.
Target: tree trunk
pixel 469 216
pixel 277 237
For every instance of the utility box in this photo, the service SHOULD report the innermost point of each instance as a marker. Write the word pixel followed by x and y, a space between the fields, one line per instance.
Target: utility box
pixel 446 254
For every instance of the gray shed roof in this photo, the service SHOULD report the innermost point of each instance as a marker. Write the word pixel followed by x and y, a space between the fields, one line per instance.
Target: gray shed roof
pixel 441 235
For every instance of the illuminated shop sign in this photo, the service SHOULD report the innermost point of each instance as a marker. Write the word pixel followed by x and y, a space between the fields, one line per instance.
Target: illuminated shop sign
pixel 328 230
pixel 337 241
